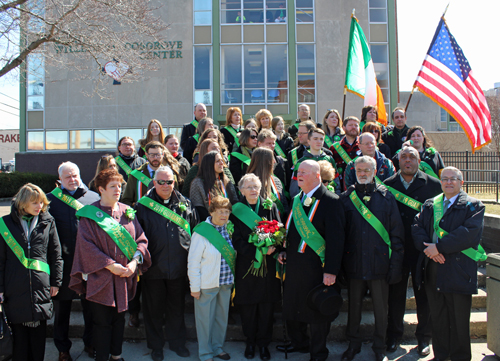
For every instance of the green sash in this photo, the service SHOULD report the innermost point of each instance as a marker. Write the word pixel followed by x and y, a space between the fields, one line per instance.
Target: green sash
pixel 306 229
pixel 231 130
pixel 342 152
pixel 427 169
pixel 328 141
pixel 115 230
pixel 241 157
pixel 371 219
pixel 401 197
pixel 246 215
pixel 278 150
pixel 144 150
pixel 296 125
pixel 295 158
pixel 476 255
pixel 165 212
pixel 123 165
pixel 196 137
pixel 194 123
pixel 144 179
pixel 29 263
pixel 215 238
pixel 67 199
pixel 276 200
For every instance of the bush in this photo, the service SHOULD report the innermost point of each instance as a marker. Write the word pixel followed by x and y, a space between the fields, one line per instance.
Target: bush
pixel 11 182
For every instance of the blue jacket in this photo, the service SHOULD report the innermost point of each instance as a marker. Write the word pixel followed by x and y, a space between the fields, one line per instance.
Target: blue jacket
pixel 385 169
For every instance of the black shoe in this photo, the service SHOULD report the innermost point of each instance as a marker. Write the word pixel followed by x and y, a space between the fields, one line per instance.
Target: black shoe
pixel 392 345
pixel 250 351
pixel 90 351
pixel 223 356
pixel 157 355
pixel 264 354
pixel 381 357
pixel 349 354
pixel 423 348
pixel 292 348
pixel 181 351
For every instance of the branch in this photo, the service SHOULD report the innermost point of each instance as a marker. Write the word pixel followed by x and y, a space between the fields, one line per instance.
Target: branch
pixel 11 5
pixel 22 56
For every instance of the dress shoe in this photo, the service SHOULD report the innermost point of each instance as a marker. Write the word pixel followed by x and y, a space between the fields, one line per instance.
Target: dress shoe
pixel 292 348
pixel 264 354
pixel 181 351
pixel 349 354
pixel 90 351
pixel 157 355
pixel 250 351
pixel 423 348
pixel 65 356
pixel 381 357
pixel 116 359
pixel 133 320
pixel 223 356
pixel 392 345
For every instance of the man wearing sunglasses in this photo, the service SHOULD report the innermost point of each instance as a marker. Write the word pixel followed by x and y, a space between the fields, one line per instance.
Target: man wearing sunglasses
pixel 167 219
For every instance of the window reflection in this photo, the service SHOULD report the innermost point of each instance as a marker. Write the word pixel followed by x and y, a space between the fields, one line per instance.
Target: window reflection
pixel 80 139
pixel 56 140
pixel 35 141
pixel 105 139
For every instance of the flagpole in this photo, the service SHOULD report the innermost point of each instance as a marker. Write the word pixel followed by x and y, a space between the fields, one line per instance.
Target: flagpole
pixel 408 102
pixel 343 106
pixel 445 10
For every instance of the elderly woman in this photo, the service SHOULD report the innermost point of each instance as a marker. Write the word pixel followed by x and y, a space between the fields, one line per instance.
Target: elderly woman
pixel 192 143
pixel 240 158
pixel 332 125
pixel 211 262
pixel 155 132
pixel 210 182
pixel 328 179
pixel 28 287
pixel 113 238
pixel 255 295
pixel 234 121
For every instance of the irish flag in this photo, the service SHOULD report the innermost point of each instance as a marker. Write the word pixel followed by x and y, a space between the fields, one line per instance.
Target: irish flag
pixel 360 75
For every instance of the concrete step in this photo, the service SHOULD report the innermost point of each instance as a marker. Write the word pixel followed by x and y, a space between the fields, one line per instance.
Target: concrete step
pixel 234 331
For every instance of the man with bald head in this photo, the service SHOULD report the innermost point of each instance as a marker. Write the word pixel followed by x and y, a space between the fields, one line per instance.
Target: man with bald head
pixel 189 129
pixel 313 257
pixel 412 187
pixel 368 147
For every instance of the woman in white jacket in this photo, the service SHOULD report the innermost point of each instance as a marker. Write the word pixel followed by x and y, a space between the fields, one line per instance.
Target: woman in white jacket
pixel 211 263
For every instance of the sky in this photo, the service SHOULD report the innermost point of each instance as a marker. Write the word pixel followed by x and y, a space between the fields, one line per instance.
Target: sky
pixel 472 23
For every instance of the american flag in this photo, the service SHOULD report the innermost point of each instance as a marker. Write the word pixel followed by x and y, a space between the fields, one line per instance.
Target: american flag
pixel 446 77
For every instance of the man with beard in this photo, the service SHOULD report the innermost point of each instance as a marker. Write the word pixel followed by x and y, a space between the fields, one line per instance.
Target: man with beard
pixel 346 150
pixel 127 159
pixel 64 202
pixel 315 240
pixel 189 129
pixel 411 187
pixel 167 220
pixel 373 253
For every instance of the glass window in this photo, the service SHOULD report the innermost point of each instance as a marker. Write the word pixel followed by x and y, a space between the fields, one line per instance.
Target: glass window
pixel 306 70
pixel 80 139
pixel 379 53
pixel 231 12
pixel 203 96
pixel 35 140
pixel 175 130
pixel 277 66
pixel 202 5
pixel 105 139
pixel 277 9
pixel 378 4
pixel 35 102
pixel 56 140
pixel 231 70
pixel 202 68
pixel 135 134
pixel 378 15
pixel 253 11
pixel 203 18
pixel 254 66
pixel 305 11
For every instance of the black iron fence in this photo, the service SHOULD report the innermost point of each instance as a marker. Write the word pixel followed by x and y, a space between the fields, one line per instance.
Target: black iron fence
pixel 481 171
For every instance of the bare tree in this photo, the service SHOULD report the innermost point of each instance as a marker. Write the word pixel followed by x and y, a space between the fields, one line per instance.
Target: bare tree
pixel 81 35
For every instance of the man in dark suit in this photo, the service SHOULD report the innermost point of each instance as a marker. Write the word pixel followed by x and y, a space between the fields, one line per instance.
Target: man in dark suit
pixel 414 187
pixel 189 129
pixel 447 231
pixel 317 261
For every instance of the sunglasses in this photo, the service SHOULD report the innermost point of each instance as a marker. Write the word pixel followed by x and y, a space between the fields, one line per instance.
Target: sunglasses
pixel 326 181
pixel 253 136
pixel 163 182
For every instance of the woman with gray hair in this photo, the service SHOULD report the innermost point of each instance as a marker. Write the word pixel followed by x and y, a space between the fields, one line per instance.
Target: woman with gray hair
pixel 255 295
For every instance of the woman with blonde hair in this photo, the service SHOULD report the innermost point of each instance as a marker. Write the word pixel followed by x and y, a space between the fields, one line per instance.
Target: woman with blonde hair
pixel 234 121
pixel 264 118
pixel 31 270
pixel 154 132
pixel 106 161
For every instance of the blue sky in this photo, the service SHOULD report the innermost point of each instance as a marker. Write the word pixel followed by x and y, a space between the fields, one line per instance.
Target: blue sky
pixel 471 22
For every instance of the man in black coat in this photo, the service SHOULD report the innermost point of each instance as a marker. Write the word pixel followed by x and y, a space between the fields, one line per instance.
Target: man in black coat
pixel 373 253
pixel 307 269
pixel 164 284
pixel 452 248
pixel 189 129
pixel 126 151
pixel 419 187
pixel 396 136
pixel 67 227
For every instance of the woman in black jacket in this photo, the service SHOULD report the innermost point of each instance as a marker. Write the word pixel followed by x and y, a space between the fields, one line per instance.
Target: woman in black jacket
pixel 240 158
pixel 30 277
pixel 283 139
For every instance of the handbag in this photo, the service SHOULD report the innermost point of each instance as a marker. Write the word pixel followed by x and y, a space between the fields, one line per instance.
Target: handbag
pixel 5 337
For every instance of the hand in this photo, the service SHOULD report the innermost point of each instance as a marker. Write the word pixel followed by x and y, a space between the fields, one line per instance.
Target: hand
pixel 270 250
pixel 329 279
pixel 282 258
pixel 116 269
pixel 439 259
pixel 54 291
pixel 130 269
pixel 431 250
pixel 196 295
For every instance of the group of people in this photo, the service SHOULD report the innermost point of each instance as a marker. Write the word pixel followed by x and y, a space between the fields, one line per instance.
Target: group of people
pixel 363 209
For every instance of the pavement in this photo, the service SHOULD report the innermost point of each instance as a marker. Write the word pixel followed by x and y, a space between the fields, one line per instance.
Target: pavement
pixel 138 351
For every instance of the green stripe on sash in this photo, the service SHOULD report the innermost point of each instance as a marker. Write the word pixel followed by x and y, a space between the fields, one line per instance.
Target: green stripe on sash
pixel 126 168
pixel 403 198
pixel 165 212
pixel 29 263
pixel 241 157
pixel 231 130
pixel 194 123
pixel 295 158
pixel 197 138
pixel 144 150
pixel 246 215
pixel 115 230
pixel 276 200
pixel 278 150
pixel 427 169
pixel 342 152
pixel 67 199
pixel 215 238
pixel 476 255
pixel 144 179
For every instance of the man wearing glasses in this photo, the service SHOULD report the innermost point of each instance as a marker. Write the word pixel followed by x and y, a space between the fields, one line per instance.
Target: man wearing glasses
pixel 167 219
pixel 447 231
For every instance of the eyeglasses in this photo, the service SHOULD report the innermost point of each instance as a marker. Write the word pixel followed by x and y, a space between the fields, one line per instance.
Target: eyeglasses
pixel 163 182
pixel 155 155
pixel 326 181
pixel 451 179
pixel 253 188
pixel 302 133
pixel 253 136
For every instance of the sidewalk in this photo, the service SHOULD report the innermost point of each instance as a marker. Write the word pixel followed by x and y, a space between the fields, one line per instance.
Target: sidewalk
pixel 138 351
